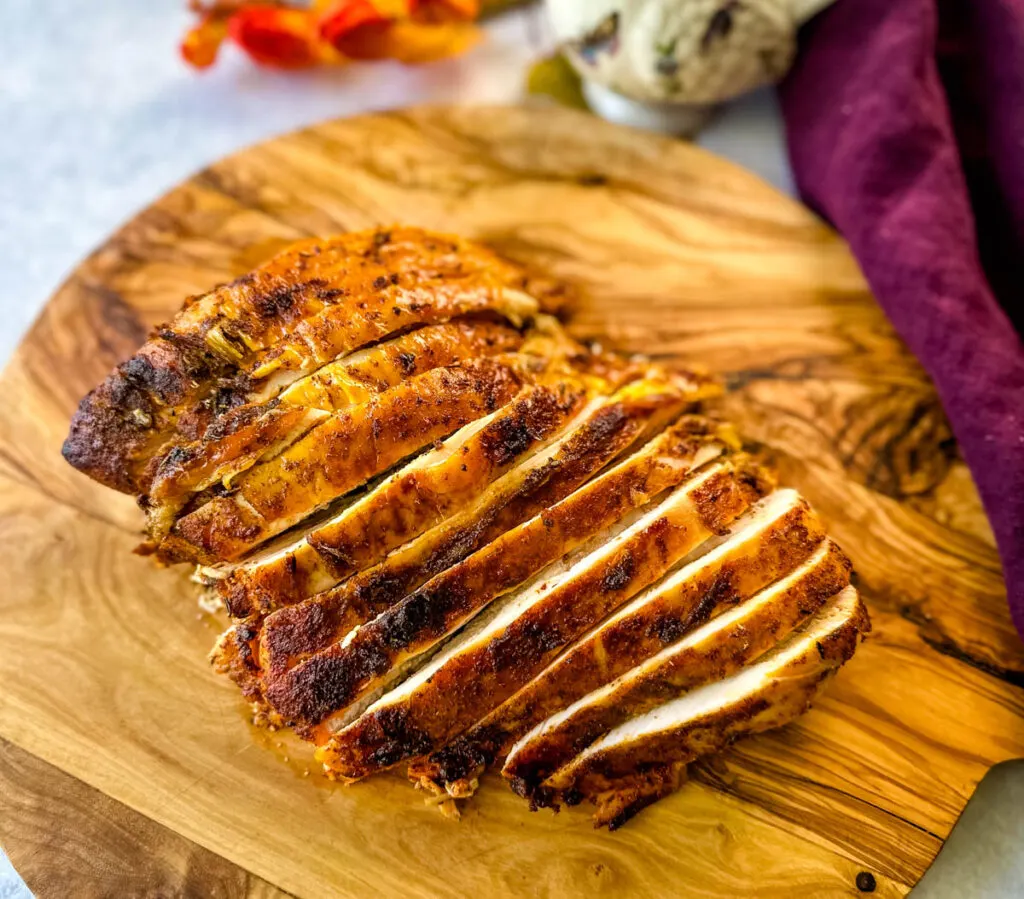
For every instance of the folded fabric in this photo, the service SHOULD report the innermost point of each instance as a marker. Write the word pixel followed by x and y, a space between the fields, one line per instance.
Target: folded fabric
pixel 899 115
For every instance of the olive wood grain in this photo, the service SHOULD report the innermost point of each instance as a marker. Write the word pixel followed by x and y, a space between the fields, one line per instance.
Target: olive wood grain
pixel 67 839
pixel 678 254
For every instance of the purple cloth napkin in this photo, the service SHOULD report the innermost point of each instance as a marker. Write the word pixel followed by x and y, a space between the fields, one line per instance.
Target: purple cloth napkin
pixel 905 121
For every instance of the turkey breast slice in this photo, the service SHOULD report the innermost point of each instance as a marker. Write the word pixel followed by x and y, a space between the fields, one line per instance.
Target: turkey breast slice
pixel 508 646
pixel 767 694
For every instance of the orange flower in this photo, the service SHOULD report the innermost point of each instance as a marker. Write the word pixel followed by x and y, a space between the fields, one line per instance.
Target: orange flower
pixel 357 29
pixel 276 36
pixel 433 11
pixel 360 29
pixel 200 45
pixel 414 43
pixel 286 35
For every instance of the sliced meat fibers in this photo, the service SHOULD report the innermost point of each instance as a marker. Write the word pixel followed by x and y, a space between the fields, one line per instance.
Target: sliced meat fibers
pixel 771 539
pixel 548 469
pixel 250 654
pixel 482 668
pixel 248 340
pixel 548 453
pixel 767 694
pixel 608 426
pixel 422 494
pixel 248 434
pixel 634 793
pixel 330 681
pixel 339 455
pixel 713 651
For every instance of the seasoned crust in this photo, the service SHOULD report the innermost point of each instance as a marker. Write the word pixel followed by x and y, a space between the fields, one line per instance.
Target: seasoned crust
pixel 417 497
pixel 639 683
pixel 121 421
pixel 291 635
pixel 249 338
pixel 806 660
pixel 335 677
pixel 602 654
pixel 476 677
pixel 337 456
pixel 630 795
pixel 243 436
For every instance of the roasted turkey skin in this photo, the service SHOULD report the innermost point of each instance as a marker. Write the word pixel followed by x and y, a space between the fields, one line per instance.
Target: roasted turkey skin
pixel 249 339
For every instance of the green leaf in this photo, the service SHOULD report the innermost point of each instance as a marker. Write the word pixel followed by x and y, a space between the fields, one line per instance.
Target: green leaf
pixel 556 78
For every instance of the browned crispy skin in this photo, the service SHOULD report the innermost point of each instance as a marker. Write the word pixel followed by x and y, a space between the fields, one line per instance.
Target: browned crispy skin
pixel 649 623
pixel 481 675
pixel 339 455
pixel 685 666
pixel 247 339
pixel 256 648
pixel 353 544
pixel 776 701
pixel 658 618
pixel 246 434
pixel 416 498
pixel 358 376
pixel 235 656
pixel 231 446
pixel 331 680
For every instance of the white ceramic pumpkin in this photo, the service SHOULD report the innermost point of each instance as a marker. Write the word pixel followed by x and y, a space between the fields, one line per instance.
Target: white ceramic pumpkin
pixel 646 57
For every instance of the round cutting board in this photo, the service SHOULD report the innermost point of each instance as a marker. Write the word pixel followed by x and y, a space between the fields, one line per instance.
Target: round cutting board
pixel 111 714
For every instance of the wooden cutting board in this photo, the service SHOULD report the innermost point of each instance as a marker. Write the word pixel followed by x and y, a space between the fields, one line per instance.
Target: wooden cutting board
pixel 102 656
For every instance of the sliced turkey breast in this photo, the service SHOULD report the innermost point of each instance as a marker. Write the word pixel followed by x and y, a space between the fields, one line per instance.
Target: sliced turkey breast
pixel 251 652
pixel 338 455
pixel 254 432
pixel 448 533
pixel 769 540
pixel 767 694
pixel 508 646
pixel 711 652
pixel 418 496
pixel 367 656
pixel 246 341
pixel 608 426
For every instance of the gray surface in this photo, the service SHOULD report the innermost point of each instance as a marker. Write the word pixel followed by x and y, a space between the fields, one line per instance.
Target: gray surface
pixel 11 885
pixel 99 118
pixel 984 856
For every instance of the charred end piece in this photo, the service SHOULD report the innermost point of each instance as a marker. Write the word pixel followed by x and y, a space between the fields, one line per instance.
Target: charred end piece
pixel 123 421
pixel 234 655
